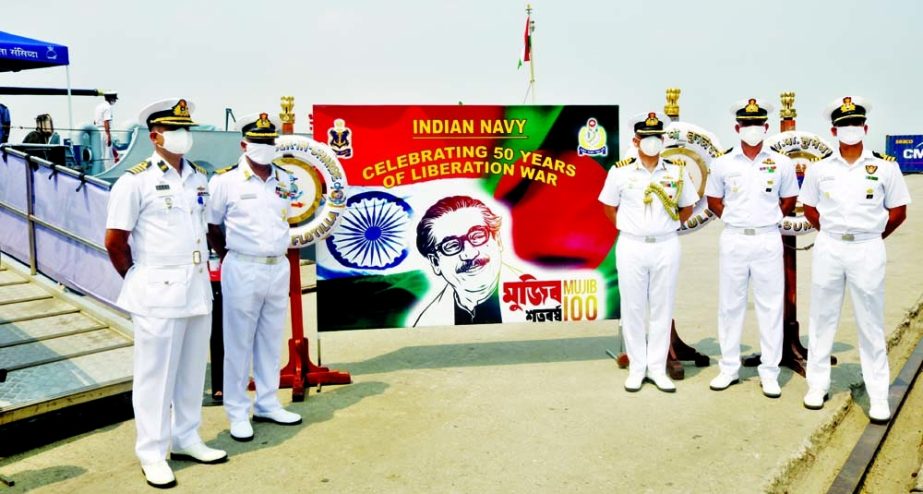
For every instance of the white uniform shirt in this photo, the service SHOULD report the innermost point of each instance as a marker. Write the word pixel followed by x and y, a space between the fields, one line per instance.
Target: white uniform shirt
pixel 854 198
pixel 165 213
pixel 254 212
pixel 751 189
pixel 624 189
pixel 103 113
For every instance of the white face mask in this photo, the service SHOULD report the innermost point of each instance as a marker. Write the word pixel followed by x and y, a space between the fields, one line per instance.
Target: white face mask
pixel 651 146
pixel 262 154
pixel 850 135
pixel 177 141
pixel 753 134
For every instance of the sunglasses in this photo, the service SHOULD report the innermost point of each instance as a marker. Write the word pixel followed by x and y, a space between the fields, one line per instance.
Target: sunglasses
pixel 476 236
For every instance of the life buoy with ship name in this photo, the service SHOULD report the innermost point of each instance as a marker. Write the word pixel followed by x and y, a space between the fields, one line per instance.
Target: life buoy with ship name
pixel 803 148
pixel 318 188
pixel 696 147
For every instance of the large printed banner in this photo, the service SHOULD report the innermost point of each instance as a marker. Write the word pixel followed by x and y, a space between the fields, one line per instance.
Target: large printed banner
pixel 469 215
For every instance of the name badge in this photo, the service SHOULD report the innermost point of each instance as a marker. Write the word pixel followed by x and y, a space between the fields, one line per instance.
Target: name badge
pixel 244 197
pixel 163 187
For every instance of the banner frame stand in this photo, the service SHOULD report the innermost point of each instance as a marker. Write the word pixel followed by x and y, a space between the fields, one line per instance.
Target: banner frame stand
pixel 300 370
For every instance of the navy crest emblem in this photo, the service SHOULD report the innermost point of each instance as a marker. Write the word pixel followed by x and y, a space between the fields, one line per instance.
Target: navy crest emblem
pixel 339 138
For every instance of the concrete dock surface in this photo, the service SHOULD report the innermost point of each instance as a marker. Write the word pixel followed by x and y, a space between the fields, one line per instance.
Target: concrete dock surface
pixel 528 408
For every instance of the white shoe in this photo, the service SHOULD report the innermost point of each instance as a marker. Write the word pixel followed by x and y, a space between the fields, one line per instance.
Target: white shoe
pixel 662 382
pixel 722 381
pixel 200 453
pixel 159 475
pixel 242 431
pixel 879 412
pixel 634 382
pixel 815 398
pixel 280 416
pixel 771 388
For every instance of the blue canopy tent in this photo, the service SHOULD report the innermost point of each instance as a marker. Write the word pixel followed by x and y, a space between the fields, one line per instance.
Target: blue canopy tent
pixel 20 53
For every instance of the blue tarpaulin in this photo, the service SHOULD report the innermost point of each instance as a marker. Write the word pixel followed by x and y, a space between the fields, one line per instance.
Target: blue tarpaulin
pixel 19 53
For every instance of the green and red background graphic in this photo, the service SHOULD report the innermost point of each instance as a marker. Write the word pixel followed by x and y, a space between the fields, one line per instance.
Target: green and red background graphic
pixel 540 168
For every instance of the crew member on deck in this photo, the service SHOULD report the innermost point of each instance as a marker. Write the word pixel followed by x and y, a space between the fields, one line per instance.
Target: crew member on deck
pixel 855 198
pixel 751 189
pixel 648 198
pixel 155 235
pixel 252 200
pixel 103 121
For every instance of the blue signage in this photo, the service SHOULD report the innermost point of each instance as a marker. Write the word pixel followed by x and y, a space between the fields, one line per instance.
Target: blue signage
pixel 908 150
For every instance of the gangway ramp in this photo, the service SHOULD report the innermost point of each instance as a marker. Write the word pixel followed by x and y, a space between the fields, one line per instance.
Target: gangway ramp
pixel 56 349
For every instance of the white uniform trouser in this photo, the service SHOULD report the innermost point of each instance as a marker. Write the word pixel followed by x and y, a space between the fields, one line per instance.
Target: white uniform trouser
pixel 861 266
pixel 647 282
pixel 170 360
pixel 744 260
pixel 255 304
pixel 108 157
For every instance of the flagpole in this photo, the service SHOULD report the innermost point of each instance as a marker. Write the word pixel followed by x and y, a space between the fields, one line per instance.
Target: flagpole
pixel 531 51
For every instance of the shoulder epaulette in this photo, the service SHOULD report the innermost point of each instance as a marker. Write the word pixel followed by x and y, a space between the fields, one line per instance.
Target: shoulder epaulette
pixel 198 168
pixel 226 169
pixel 883 156
pixel 140 167
pixel 625 162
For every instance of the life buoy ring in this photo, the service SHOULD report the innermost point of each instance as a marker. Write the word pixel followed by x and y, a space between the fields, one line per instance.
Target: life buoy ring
pixel 803 148
pixel 697 147
pixel 319 189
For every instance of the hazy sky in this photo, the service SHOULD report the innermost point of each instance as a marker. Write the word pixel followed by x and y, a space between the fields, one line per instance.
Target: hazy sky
pixel 245 55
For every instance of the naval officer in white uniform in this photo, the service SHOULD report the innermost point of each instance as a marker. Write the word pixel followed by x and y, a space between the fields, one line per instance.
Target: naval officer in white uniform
pixel 751 189
pixel 155 236
pixel 251 200
pixel 648 198
pixel 856 198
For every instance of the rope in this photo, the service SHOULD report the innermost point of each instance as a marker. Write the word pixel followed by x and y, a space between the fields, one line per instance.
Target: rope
pixel 669 205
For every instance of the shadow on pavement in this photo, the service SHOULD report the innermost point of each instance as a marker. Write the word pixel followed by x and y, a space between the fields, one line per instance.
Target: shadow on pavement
pixel 33 479
pixel 65 423
pixel 316 408
pixel 486 354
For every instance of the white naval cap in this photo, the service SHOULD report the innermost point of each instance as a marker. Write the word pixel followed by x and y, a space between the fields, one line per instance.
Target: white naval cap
pixel 258 127
pixel 650 123
pixel 752 110
pixel 171 112
pixel 848 110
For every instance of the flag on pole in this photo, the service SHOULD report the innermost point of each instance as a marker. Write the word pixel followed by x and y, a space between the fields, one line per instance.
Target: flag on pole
pixel 526 55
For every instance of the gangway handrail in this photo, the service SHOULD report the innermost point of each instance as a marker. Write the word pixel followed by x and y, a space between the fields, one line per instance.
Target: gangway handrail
pixel 29 214
pixel 58 168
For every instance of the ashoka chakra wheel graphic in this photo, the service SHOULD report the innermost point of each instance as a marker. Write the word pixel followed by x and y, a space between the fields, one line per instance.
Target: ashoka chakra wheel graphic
pixel 371 232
